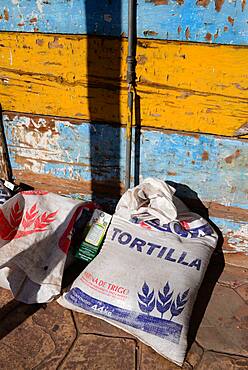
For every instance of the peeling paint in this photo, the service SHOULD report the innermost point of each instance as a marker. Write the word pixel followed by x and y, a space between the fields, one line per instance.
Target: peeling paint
pixel 218 5
pixel 33 20
pixel 43 146
pixel 216 34
pixel 40 42
pixel 141 59
pixel 58 144
pixel 243 130
pixel 42 71
pixel 48 151
pixel 150 33
pixel 233 156
pixel 243 231
pixel 204 3
pixel 55 44
pixel 40 4
pixel 230 20
pixel 6 14
pixel 108 18
pixel 208 37
pixel 243 4
pixel 158 2
pixel 205 156
pixel 235 236
pixel 187 33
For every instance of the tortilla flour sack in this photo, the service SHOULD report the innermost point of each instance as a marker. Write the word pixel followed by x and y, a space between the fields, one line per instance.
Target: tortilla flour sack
pixel 145 280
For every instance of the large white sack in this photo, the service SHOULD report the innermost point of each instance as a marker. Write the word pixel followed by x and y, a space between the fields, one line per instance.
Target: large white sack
pixel 153 196
pixel 146 281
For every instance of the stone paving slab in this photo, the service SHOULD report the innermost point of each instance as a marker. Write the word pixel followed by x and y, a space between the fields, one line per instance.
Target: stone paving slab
pixel 236 259
pixel 37 340
pixel 233 276
pixel 7 303
pixel 243 292
pixel 224 326
pixel 51 337
pixel 216 361
pixel 96 352
pixel 194 355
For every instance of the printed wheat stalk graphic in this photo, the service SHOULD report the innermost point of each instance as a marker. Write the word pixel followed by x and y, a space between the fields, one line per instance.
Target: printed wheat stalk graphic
pixel 147 299
pixel 178 305
pixel 164 301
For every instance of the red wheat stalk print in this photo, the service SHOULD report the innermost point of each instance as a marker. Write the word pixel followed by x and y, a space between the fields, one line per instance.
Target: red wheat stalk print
pixel 8 227
pixel 17 225
pixel 44 220
pixel 15 215
pixel 29 217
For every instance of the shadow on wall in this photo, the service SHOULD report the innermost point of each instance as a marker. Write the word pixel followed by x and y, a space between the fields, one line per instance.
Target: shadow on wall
pixel 104 70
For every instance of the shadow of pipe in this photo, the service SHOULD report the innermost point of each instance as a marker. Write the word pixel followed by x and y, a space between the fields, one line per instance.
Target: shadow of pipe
pixel 137 137
pixel 103 96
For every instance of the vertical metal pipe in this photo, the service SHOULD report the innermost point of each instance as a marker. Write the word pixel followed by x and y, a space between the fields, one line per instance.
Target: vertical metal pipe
pixel 129 138
pixel 131 77
pixel 5 160
pixel 131 62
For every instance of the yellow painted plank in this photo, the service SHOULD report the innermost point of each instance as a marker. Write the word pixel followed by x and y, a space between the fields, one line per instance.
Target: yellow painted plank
pixel 183 86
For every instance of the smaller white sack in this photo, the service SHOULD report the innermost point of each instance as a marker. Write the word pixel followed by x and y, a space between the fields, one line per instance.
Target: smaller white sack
pixel 35 235
pixel 145 281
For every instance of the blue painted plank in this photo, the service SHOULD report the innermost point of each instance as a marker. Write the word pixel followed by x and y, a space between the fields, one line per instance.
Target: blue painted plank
pixel 193 23
pixel 187 21
pixel 214 167
pixel 235 233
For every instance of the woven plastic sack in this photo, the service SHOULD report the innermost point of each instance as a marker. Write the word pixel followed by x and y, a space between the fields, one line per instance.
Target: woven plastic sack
pixel 145 280
pixel 35 235
pixel 5 193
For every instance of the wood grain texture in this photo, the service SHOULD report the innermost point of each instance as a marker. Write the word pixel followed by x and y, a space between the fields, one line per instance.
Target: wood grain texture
pixel 78 158
pixel 182 86
pixel 218 21
pixel 72 150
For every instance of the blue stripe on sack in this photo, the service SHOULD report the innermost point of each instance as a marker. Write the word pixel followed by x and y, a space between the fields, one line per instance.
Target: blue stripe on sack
pixel 153 325
pixel 176 228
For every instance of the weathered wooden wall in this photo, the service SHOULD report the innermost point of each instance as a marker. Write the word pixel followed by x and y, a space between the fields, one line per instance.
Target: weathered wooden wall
pixel 61 148
pixel 182 86
pixel 55 153
pixel 63 90
pixel 216 21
